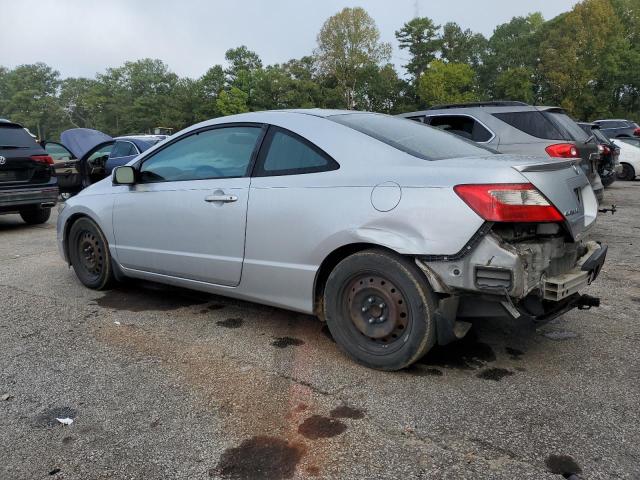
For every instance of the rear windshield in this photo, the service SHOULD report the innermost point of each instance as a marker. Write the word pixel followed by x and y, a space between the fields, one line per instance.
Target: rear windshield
pixel 15 137
pixel 411 137
pixel 532 123
pixel 566 124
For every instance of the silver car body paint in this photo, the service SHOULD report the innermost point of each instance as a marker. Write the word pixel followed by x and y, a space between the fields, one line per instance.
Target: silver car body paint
pixel 269 245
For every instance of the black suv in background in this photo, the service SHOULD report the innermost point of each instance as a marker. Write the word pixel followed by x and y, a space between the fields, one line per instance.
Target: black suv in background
pixel 28 185
pixel 618 128
pixel 609 165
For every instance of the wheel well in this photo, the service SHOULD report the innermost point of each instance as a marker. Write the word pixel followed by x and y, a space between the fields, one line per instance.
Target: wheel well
pixel 329 263
pixel 67 226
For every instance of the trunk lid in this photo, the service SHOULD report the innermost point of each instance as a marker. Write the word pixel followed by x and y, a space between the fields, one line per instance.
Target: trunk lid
pixel 565 185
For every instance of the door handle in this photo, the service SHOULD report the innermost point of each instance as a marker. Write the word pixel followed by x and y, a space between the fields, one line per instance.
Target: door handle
pixel 221 198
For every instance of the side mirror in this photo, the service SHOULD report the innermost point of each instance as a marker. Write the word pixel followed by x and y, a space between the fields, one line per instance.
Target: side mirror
pixel 124 175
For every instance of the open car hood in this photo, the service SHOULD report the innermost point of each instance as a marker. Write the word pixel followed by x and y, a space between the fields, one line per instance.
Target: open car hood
pixel 81 141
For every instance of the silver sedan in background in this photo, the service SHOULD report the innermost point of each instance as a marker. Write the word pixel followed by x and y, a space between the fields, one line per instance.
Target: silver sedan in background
pixel 394 233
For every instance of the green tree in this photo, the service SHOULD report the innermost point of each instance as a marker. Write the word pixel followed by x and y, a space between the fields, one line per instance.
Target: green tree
pixel 232 101
pixel 420 37
pixel 447 83
pixel 581 54
pixel 516 84
pixel 461 46
pixel 513 45
pixel 348 43
pixel 31 98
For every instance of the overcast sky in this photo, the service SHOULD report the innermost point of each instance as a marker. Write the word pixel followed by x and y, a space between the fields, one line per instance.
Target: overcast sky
pixel 82 37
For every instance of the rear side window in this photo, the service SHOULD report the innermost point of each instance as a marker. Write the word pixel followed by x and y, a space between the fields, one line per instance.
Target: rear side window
pixel 410 137
pixel 15 137
pixel 532 123
pixel 289 154
pixel 461 125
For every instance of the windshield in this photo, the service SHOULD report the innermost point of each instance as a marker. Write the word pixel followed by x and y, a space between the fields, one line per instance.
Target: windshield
pixel 411 137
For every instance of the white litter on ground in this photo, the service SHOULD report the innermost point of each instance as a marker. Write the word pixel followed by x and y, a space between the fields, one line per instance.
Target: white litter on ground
pixel 65 421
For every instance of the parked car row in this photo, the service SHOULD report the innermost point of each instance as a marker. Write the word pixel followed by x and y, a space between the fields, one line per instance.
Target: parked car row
pixel 396 233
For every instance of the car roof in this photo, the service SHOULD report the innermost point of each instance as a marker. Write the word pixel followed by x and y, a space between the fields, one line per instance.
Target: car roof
pixel 490 107
pixel 613 120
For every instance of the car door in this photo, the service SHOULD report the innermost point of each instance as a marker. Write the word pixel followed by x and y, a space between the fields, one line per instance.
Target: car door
pixel 185 216
pixel 65 165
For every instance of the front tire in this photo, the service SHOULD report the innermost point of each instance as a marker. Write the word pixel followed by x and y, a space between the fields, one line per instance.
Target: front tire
pixel 35 215
pixel 89 254
pixel 380 310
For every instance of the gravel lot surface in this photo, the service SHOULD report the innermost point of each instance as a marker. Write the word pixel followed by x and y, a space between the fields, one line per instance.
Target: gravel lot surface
pixel 164 383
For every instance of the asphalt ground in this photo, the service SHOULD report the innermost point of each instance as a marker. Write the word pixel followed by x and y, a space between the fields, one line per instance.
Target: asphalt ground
pixel 166 383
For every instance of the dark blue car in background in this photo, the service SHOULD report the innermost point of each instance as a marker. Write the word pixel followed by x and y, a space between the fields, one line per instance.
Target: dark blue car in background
pixel 84 156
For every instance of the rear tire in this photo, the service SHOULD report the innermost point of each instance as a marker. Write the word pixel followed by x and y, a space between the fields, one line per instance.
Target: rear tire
pixel 380 310
pixel 628 173
pixel 35 215
pixel 89 254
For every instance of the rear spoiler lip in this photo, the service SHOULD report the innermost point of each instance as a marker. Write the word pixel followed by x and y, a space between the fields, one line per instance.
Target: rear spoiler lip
pixel 548 166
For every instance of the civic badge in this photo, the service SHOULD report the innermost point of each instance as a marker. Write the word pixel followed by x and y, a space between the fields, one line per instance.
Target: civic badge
pixel 3 160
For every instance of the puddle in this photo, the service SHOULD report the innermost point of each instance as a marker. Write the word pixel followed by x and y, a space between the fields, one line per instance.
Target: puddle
pixel 495 374
pixel 465 354
pixel 317 426
pixel 562 465
pixel 145 297
pixel 48 417
pixel 230 323
pixel 284 342
pixel 514 353
pixel 560 335
pixel 345 411
pixel 259 457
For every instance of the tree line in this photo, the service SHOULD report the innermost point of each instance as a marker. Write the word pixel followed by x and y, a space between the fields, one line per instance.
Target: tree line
pixel 586 60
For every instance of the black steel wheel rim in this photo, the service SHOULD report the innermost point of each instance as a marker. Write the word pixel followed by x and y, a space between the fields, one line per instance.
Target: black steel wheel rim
pixel 377 312
pixel 90 254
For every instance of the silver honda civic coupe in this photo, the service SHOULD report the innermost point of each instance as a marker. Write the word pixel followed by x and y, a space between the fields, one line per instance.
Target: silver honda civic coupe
pixel 394 233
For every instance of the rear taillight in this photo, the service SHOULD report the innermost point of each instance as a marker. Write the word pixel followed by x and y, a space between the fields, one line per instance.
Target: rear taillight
pixel 563 150
pixel 43 159
pixel 636 132
pixel 605 150
pixel 508 202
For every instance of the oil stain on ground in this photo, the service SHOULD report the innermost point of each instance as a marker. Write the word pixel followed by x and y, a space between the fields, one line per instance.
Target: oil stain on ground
pixel 260 457
pixel 421 371
pixel 514 353
pixel 230 323
pixel 345 411
pixel 495 374
pixel 317 426
pixel 47 418
pixel 562 465
pixel 136 297
pixel 465 354
pixel 284 342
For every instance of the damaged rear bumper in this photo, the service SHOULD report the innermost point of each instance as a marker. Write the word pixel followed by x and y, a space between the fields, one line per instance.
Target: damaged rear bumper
pixel 539 278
